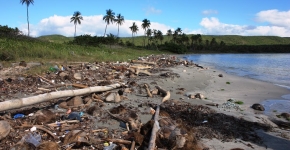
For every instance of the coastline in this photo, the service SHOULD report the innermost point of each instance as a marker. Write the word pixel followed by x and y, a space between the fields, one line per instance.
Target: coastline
pixel 217 91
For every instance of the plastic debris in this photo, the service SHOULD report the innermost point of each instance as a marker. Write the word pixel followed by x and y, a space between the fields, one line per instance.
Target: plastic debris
pixel 33 139
pixel 33 129
pixel 18 116
pixel 111 147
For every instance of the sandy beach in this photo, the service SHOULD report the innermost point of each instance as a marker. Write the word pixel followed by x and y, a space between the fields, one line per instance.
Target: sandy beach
pixel 216 90
pixel 213 125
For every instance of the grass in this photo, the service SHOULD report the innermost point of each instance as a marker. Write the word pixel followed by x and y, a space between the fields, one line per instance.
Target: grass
pixel 34 50
pixel 239 102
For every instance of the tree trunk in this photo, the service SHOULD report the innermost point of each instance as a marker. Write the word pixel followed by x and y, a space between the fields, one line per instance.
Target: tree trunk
pixel 27 19
pixel 105 30
pixel 21 102
pixel 118 30
pixel 75 29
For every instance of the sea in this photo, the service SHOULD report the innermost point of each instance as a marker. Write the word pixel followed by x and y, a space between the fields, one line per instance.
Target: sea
pixel 273 68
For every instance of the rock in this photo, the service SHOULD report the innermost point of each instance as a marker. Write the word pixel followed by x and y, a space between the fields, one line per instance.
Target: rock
pixel 220 75
pixel 286 116
pixel 4 129
pixel 23 64
pixel 199 95
pixel 63 74
pixel 78 76
pixel 192 96
pixel 48 145
pixel 44 116
pixel 76 101
pixel 258 107
pixel 113 97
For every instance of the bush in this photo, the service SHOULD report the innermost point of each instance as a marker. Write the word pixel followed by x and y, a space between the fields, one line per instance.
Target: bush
pixel 175 48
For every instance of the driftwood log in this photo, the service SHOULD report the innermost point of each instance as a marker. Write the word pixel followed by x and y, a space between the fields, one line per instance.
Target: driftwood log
pixel 21 102
pixel 166 93
pixel 154 130
pixel 143 62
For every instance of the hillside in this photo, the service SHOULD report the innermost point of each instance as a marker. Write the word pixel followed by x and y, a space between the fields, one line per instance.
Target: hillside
pixel 228 39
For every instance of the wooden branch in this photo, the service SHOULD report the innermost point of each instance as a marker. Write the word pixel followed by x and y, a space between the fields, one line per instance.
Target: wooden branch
pixel 143 62
pixel 142 71
pixel 166 93
pixel 45 79
pixel 147 90
pixel 79 85
pixel 141 67
pixel 38 127
pixel 154 130
pixel 120 141
pixel 116 117
pixel 21 102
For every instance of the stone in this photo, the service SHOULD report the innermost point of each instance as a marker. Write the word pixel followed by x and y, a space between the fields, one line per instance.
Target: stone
pixel 4 129
pixel 286 116
pixel 75 101
pixel 199 95
pixel 78 76
pixel 258 107
pixel 220 75
pixel 113 97
pixel 23 64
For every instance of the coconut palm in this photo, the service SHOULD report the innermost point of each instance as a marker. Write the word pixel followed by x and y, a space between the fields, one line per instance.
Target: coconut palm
pixel 134 29
pixel 109 18
pixel 76 18
pixel 27 2
pixel 178 30
pixel 169 33
pixel 119 20
pixel 149 34
pixel 145 25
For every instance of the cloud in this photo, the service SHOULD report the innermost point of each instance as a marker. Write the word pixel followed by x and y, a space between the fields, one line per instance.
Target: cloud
pixel 209 12
pixel 274 17
pixel 152 10
pixel 93 25
pixel 213 26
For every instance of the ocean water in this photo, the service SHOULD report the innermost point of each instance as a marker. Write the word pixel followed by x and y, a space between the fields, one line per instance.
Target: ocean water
pixel 272 68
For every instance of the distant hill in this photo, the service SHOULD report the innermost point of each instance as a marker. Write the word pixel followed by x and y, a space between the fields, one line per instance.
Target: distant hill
pixel 228 39
pixel 56 38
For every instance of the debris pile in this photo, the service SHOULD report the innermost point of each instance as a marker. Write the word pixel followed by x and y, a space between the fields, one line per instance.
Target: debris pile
pixel 86 106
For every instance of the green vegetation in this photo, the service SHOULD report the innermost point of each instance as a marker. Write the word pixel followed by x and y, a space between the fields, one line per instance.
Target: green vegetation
pixel 27 3
pixel 239 102
pixel 76 19
pixel 228 82
pixel 16 47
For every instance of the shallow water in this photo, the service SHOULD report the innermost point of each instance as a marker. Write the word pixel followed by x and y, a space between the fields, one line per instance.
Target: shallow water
pixel 272 68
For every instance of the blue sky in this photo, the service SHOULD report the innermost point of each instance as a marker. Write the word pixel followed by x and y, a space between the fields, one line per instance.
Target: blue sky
pixel 210 17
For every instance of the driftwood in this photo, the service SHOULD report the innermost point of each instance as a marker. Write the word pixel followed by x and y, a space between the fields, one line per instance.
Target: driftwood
pixel 143 62
pixel 147 90
pixel 166 93
pixel 142 71
pixel 38 127
pixel 141 67
pixel 21 102
pixel 154 130
pixel 45 79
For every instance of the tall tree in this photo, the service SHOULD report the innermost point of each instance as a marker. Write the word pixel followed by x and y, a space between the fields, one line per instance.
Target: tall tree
pixel 27 2
pixel 76 18
pixel 169 33
pixel 119 20
pixel 109 18
pixel 149 34
pixel 145 25
pixel 134 29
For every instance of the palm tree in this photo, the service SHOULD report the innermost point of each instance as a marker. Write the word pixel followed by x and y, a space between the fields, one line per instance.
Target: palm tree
pixel 145 25
pixel 109 17
pixel 169 33
pixel 149 34
pixel 134 29
pixel 119 20
pixel 76 18
pixel 160 36
pixel 27 2
pixel 178 30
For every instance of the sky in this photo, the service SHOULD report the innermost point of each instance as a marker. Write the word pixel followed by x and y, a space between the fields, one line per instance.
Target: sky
pixel 205 17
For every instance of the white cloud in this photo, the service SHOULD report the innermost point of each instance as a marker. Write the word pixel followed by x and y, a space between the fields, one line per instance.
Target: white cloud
pixel 274 17
pixel 93 25
pixel 212 26
pixel 152 10
pixel 209 12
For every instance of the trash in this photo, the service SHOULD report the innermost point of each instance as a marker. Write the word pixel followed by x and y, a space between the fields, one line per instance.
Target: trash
pixel 33 139
pixel 74 116
pixel 33 129
pixel 111 147
pixel 205 121
pixel 18 116
pixel 4 129
pixel 81 113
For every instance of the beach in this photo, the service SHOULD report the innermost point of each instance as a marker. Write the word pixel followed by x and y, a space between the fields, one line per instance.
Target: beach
pixel 216 90
pixel 198 105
